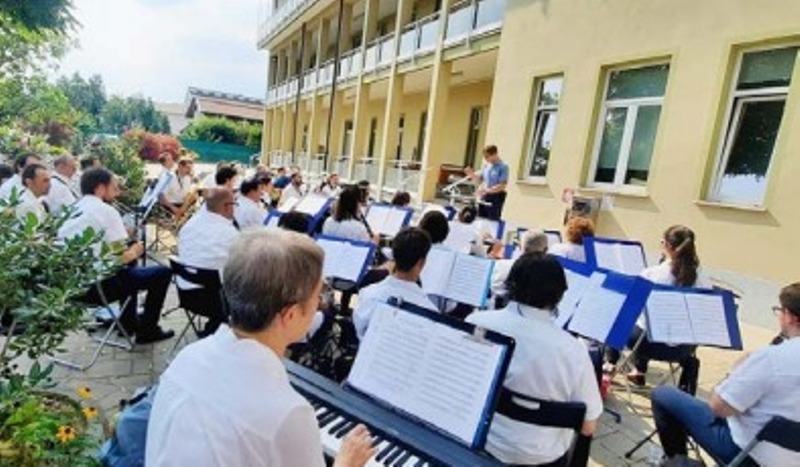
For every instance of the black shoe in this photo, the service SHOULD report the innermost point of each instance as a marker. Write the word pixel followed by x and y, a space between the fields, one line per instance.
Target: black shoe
pixel 156 335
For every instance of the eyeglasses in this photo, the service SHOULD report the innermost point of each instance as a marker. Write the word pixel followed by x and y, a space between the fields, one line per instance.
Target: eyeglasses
pixel 777 309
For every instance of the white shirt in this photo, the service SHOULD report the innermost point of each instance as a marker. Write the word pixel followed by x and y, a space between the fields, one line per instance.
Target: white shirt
pixel 8 185
pixel 548 363
pixel 205 241
pixel 249 213
pixel 61 194
pixel 91 211
pixel 329 191
pixel 30 204
pixel 226 401
pixel 290 192
pixel 350 229
pixel 370 297
pixel 568 250
pixel 766 384
pixel 502 267
pixel 178 188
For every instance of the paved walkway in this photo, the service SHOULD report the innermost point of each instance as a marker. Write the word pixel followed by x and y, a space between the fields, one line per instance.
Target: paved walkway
pixel 119 373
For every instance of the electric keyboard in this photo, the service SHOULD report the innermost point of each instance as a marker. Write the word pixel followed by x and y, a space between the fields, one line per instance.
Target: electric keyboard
pixel 399 440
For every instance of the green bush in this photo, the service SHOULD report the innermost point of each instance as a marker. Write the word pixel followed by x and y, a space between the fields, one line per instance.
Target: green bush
pixel 121 156
pixel 222 130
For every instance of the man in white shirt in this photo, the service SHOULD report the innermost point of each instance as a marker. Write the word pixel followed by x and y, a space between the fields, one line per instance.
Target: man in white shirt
pixel 93 211
pixel 16 180
pixel 294 189
pixel 762 385
pixel 250 210
pixel 204 242
pixel 62 192
pixel 548 363
pixel 36 180
pixel 533 241
pixel 409 250
pixel 226 400
pixel 179 187
pixel 171 198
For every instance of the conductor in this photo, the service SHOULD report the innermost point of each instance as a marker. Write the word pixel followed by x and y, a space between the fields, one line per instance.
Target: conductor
pixel 493 180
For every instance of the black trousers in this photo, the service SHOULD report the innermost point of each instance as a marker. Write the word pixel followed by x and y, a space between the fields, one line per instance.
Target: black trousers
pixel 127 283
pixel 494 210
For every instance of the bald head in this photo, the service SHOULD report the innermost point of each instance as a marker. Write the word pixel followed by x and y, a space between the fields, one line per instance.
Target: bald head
pixel 220 201
pixel 65 165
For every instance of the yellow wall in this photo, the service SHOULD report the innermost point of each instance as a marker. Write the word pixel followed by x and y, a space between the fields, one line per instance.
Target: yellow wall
pixel 460 102
pixel 579 39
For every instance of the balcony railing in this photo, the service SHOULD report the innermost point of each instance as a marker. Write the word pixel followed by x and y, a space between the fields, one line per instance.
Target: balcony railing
pixel 419 37
pixel 317 164
pixel 402 175
pixel 301 160
pixel 326 73
pixel 309 81
pixel 380 52
pixel 279 18
pixel 341 166
pixel 366 169
pixel 350 64
pixel 474 18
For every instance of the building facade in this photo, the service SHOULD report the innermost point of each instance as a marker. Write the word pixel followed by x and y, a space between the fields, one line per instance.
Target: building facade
pixel 670 111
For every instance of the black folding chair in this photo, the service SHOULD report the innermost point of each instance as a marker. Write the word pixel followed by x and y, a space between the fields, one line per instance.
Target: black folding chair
pixel 205 301
pixel 552 414
pixel 779 431
pixel 106 339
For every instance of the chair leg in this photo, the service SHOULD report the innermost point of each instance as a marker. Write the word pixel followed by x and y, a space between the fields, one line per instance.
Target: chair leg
pixel 641 443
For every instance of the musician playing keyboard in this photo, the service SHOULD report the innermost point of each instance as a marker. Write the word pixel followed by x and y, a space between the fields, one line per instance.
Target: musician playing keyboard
pixel 226 400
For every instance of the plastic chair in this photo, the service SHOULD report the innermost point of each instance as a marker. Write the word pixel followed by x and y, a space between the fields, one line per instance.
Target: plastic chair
pixel 779 431
pixel 569 415
pixel 207 300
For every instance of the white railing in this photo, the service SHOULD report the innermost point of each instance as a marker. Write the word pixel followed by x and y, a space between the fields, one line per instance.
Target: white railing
pixel 380 52
pixel 292 87
pixel 472 18
pixel 402 175
pixel 317 164
pixel 341 166
pixel 419 37
pixel 309 81
pixel 302 160
pixel 326 73
pixel 350 64
pixel 282 16
pixel 387 50
pixel 366 169
pixel 371 56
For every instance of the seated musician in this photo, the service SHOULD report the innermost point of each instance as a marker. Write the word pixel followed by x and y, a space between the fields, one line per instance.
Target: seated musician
pixel 36 180
pixel 250 211
pixel 572 248
pixel 409 250
pixel 437 226
pixel 204 242
pixel 226 176
pixel 762 385
pixel 226 400
pixel 401 199
pixel 294 190
pixel 100 187
pixel 295 221
pixel 346 221
pixel 548 363
pixel 533 241
pixel 179 187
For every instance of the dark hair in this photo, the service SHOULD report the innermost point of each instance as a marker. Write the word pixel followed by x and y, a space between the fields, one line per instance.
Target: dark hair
pixel 5 172
pixel 347 205
pixel 435 223
pixel 490 150
pixel 364 186
pixel 536 280
pixel 249 185
pixel 88 162
pixel 685 262
pixel 577 228
pixel 264 179
pixel 225 173
pixel 93 178
pixel 790 299
pixel 401 198
pixel 295 221
pixel 29 173
pixel 22 160
pixel 409 246
pixel 467 214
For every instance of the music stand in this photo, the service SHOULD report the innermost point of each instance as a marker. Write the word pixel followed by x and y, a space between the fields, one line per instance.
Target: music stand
pixel 145 207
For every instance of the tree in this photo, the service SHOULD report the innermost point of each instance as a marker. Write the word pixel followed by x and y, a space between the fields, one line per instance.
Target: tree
pixel 223 130
pixel 39 107
pixel 87 96
pixel 122 114
pixel 32 32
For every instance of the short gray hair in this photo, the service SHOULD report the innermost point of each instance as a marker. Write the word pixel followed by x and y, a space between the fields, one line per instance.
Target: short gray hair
pixel 534 241
pixel 267 271
pixel 62 160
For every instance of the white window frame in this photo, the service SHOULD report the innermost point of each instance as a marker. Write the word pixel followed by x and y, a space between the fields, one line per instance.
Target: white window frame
pixel 736 99
pixel 538 110
pixel 633 106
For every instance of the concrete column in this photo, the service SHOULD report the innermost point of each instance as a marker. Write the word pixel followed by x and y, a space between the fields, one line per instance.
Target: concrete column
pixel 324 41
pixel 266 135
pixel 391 120
pixel 370 20
pixel 347 28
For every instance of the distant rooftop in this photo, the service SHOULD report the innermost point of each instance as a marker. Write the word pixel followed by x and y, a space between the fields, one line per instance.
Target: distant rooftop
pixel 228 96
pixel 223 104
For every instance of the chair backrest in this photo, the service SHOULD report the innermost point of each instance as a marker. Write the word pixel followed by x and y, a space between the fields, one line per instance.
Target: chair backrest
pixel 782 432
pixel 205 278
pixel 539 412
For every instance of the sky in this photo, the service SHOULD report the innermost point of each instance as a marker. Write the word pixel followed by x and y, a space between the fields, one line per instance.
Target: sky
pixel 158 48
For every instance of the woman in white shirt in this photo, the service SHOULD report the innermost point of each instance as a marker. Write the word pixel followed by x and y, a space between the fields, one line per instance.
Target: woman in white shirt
pixel 679 266
pixel 346 221
pixel 576 229
pixel 330 186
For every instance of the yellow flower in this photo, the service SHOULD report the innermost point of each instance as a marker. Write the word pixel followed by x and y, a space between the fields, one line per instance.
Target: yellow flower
pixel 89 412
pixel 66 433
pixel 84 392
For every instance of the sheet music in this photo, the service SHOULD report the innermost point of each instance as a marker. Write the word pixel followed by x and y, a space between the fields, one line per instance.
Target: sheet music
pixel 620 257
pixel 376 217
pixel 707 316
pixel 429 370
pixel 311 204
pixel 576 287
pixel 437 270
pixel 597 310
pixel 461 236
pixel 386 220
pixel 553 238
pixel 668 318
pixel 343 260
pixel 469 280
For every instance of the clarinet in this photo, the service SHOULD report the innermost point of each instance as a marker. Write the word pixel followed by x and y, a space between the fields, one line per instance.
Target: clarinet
pixel 366 224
